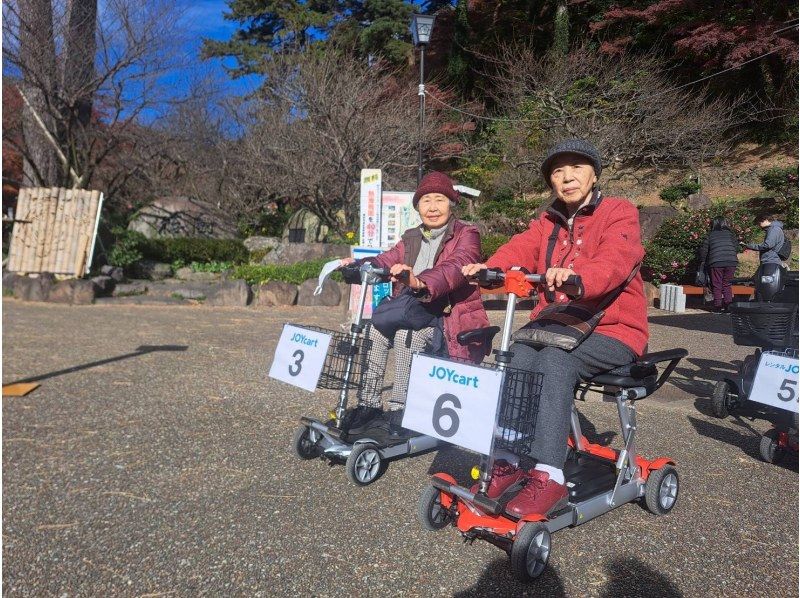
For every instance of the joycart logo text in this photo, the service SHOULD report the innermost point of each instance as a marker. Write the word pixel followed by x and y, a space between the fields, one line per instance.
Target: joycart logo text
pixel 784 367
pixel 451 375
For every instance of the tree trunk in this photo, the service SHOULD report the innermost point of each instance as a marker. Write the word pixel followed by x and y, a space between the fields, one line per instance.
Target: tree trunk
pixel 38 61
pixel 79 53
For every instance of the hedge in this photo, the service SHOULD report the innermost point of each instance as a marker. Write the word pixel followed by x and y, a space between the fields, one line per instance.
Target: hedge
pixel 191 249
pixel 293 273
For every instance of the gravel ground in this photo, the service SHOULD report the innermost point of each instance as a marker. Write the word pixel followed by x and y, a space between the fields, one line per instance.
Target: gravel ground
pixel 154 460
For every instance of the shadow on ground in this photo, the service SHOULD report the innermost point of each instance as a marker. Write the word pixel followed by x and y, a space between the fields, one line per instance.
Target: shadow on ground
pixel 703 322
pixel 701 379
pixel 745 437
pixel 621 577
pixel 139 351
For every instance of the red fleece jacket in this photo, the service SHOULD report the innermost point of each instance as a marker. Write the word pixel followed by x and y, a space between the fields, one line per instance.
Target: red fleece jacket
pixel 603 246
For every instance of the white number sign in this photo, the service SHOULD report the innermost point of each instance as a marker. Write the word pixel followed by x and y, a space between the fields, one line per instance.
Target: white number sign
pixel 299 356
pixel 453 401
pixel 775 383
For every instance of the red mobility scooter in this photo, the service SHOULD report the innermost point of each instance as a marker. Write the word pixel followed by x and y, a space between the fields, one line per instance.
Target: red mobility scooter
pixel 599 478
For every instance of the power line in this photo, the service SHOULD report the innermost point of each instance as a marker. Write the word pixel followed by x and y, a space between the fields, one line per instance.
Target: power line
pixel 607 108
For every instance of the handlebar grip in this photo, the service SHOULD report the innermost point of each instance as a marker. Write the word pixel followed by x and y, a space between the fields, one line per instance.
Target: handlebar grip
pixel 351 273
pixel 490 276
pixel 572 287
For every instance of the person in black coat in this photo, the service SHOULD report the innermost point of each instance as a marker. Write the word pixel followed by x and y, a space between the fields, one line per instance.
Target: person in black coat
pixel 718 253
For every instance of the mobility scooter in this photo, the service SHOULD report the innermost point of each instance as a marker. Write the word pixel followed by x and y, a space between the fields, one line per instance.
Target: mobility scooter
pixel 599 478
pixel 356 436
pixel 768 322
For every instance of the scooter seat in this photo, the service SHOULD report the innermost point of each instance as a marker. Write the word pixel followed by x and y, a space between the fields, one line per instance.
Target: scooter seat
pixel 628 376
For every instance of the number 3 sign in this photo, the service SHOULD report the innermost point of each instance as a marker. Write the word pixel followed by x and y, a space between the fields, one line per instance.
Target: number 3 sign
pixel 300 356
pixel 453 401
pixel 775 383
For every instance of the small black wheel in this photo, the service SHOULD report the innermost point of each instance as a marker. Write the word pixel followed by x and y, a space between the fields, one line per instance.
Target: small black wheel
pixel 364 465
pixel 661 490
pixel 769 448
pixel 530 551
pixel 430 511
pixel 720 399
pixel 304 443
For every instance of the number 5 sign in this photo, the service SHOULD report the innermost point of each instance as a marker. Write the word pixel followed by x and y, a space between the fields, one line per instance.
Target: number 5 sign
pixel 299 356
pixel 775 383
pixel 453 401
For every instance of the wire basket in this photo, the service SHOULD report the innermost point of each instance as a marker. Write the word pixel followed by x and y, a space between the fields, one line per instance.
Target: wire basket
pixel 519 409
pixel 342 351
pixel 767 325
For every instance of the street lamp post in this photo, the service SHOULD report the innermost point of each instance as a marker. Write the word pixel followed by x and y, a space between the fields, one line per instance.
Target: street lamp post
pixel 421 28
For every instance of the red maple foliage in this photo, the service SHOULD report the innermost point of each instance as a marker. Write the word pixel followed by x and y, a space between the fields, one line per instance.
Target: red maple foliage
pixel 710 34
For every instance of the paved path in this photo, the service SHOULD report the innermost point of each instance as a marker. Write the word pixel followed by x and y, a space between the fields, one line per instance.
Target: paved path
pixel 154 460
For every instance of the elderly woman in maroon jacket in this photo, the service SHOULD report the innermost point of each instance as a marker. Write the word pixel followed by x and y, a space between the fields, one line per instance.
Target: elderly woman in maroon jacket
pixel 428 260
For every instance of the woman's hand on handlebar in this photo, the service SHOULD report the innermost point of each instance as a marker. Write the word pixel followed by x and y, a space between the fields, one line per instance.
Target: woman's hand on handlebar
pixel 471 270
pixel 403 273
pixel 555 277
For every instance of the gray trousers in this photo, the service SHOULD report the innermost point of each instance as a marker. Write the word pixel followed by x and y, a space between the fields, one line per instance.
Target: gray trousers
pixel 561 371
pixel 377 358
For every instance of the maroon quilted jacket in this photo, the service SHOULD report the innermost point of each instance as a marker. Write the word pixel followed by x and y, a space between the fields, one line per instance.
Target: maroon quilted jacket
pixel 460 246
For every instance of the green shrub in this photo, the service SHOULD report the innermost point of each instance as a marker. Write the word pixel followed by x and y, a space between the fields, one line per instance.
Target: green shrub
pixel 191 249
pixel 675 193
pixel 293 273
pixel 126 249
pixel 491 243
pixel 782 183
pixel 259 254
pixel 211 266
pixel 671 255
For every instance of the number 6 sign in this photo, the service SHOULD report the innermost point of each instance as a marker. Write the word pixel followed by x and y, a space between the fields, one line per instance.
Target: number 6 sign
pixel 453 401
pixel 299 356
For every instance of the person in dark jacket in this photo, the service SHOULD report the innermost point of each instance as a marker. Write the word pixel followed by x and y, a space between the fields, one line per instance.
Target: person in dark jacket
pixel 718 253
pixel 428 261
pixel 773 240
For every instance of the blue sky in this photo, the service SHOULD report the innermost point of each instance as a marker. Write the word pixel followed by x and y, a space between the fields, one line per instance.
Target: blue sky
pixel 204 19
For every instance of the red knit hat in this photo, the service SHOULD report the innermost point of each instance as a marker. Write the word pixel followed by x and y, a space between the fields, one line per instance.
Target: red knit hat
pixel 435 182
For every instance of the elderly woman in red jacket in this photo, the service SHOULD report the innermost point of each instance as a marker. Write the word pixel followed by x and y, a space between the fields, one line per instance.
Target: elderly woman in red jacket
pixel 428 260
pixel 598 238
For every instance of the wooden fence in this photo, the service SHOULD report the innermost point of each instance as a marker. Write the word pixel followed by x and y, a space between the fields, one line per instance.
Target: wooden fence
pixel 54 230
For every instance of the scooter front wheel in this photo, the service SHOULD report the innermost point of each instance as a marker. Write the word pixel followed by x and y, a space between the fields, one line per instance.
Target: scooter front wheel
pixel 530 551
pixel 430 511
pixel 720 399
pixel 304 444
pixel 364 465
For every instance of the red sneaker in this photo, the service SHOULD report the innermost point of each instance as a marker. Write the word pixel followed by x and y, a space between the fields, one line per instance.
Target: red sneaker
pixel 540 495
pixel 504 475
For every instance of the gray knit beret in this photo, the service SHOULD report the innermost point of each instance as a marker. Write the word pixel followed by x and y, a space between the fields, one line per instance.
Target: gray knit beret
pixel 572 146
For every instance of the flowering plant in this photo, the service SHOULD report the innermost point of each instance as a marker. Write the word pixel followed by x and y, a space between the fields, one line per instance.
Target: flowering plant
pixel 672 254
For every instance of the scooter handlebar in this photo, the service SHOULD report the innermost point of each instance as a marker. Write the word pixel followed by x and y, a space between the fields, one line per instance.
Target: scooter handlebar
pixel 356 273
pixel 493 277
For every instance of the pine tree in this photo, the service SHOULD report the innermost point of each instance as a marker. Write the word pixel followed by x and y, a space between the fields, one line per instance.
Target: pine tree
pixel 267 26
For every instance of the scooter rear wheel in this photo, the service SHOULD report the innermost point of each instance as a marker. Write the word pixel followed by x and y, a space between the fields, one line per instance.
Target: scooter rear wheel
pixel 305 447
pixel 364 465
pixel 530 551
pixel 770 451
pixel 430 511
pixel 661 490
